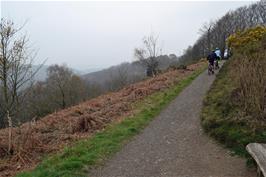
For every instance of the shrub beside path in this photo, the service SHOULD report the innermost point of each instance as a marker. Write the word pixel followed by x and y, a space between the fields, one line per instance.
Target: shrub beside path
pixel 174 144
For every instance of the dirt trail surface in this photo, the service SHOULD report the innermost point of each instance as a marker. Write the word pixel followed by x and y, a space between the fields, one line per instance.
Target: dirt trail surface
pixel 174 145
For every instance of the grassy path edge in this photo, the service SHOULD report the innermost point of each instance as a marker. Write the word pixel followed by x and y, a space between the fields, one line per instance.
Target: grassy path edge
pixel 85 154
pixel 218 122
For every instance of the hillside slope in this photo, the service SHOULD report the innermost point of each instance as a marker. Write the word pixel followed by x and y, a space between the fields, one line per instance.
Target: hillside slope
pixel 53 132
pixel 234 111
pixel 132 72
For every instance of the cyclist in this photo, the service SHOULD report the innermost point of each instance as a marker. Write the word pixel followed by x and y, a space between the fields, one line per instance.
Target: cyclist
pixel 211 58
pixel 218 57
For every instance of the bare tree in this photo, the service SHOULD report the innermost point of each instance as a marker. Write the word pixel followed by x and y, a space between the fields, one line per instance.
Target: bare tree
pixel 148 54
pixel 214 34
pixel 261 11
pixel 206 29
pixel 58 81
pixel 65 87
pixel 119 77
pixel 16 59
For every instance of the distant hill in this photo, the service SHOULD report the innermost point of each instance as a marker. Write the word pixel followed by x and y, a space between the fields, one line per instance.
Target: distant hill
pixel 103 76
pixel 130 72
pixel 42 73
pixel 85 71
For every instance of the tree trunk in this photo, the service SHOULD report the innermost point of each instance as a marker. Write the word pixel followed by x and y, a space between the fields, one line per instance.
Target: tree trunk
pixel 10 147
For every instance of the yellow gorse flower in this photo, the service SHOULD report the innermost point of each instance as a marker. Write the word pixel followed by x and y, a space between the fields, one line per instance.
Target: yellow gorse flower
pixel 250 35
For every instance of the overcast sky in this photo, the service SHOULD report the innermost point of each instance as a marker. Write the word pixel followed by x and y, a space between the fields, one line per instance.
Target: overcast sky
pixel 100 34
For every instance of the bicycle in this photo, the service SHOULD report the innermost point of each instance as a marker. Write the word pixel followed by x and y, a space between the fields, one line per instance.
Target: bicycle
pixel 210 69
pixel 216 65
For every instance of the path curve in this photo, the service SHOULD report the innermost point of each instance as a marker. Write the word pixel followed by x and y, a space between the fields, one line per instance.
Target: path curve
pixel 174 144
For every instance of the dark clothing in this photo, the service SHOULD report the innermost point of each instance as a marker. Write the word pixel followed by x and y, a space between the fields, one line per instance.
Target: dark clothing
pixel 211 58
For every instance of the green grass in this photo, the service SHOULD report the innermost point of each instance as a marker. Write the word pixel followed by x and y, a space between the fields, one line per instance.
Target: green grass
pixel 218 117
pixel 77 160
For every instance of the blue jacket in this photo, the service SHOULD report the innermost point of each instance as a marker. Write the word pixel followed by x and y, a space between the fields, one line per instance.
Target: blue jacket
pixel 218 53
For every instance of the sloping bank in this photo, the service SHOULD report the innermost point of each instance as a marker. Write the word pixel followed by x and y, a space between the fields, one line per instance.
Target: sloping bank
pixel 77 159
pixel 234 111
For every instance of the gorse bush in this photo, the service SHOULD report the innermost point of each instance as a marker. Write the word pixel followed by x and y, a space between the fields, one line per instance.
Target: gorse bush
pixel 248 70
pixel 252 35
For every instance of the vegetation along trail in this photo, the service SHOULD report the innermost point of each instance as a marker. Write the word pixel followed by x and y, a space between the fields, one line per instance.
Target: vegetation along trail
pixel 174 144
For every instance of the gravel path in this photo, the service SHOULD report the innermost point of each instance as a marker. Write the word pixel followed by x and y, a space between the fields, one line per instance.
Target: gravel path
pixel 174 145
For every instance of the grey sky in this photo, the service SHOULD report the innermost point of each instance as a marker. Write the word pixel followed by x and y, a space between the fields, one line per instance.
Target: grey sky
pixel 100 34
